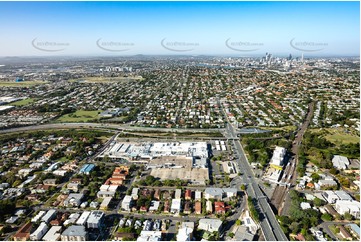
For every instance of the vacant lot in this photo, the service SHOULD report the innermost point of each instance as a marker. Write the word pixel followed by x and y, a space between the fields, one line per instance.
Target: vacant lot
pixel 79 116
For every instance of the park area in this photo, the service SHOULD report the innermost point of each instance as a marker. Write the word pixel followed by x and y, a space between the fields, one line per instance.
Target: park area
pixel 21 84
pixel 337 135
pixel 80 116
pixel 106 79
pixel 24 102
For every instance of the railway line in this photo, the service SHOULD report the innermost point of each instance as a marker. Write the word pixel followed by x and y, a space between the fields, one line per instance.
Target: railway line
pixel 289 176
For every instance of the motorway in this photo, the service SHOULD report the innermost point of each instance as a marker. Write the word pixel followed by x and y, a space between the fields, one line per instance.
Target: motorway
pixel 123 127
pixel 270 227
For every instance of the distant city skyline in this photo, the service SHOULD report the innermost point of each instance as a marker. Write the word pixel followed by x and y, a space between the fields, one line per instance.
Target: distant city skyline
pixel 180 28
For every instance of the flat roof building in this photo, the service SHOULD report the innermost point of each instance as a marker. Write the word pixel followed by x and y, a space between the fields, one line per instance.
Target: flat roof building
pixel 53 234
pixel 210 225
pixel 74 233
pixel 95 219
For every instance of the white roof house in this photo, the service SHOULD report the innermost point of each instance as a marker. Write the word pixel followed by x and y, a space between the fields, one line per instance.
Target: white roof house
pixel 38 217
pixel 49 216
pixel 198 195
pixel 39 232
pixel 210 225
pixel 154 206
pixel 127 200
pixel 73 200
pixel 344 196
pixel 135 191
pixel 150 236
pixel 53 234
pixel 178 194
pixel 219 193
pixel 327 183
pixel 352 207
pixel 83 218
pixel 305 205
pixel 184 234
pixel 176 205
pixel 340 162
pixel 330 196
pixel 105 203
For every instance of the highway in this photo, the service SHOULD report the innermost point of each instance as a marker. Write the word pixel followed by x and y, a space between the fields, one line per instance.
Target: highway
pixel 123 127
pixel 269 225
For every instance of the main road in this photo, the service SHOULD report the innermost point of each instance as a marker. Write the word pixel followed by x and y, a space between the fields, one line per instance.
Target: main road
pixel 270 227
pixel 109 126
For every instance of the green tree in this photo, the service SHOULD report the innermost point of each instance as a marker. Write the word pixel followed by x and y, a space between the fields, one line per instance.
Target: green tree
pixel 318 202
pixel 326 217
pixel 348 216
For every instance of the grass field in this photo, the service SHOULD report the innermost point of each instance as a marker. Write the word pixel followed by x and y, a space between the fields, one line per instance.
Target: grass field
pixel 24 102
pixel 337 135
pixel 79 116
pixel 21 84
pixel 286 128
pixel 105 79
pixel 342 138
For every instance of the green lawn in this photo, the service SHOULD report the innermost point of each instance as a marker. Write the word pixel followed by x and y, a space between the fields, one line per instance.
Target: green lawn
pixel 337 135
pixel 23 102
pixel 79 116
pixel 20 84
pixel 286 128
pixel 342 138
pixel 106 79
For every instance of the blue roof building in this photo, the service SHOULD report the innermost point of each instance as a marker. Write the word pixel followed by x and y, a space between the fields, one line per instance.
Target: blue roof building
pixel 355 229
pixel 86 169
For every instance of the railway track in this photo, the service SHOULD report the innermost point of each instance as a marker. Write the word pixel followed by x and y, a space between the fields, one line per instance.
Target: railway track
pixel 290 174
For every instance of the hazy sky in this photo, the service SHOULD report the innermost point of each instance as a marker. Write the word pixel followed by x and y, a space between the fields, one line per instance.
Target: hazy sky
pixel 73 28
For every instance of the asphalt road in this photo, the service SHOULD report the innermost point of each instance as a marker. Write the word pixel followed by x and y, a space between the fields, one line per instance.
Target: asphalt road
pixel 326 229
pixel 105 126
pixel 269 224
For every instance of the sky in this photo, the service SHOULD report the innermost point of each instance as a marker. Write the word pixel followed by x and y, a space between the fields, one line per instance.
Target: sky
pixel 174 28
